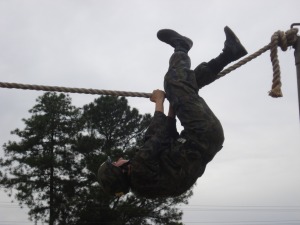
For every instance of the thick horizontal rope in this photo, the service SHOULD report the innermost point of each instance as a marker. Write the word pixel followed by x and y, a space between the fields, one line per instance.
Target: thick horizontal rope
pixel 279 38
pixel 74 90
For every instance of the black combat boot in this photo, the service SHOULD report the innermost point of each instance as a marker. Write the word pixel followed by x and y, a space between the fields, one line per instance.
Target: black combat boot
pixel 177 41
pixel 232 46
pixel 233 50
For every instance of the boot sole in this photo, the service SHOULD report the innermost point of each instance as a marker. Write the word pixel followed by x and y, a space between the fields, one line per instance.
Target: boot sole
pixel 241 49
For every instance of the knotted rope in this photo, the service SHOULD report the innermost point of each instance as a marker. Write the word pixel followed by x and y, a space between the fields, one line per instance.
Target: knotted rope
pixel 279 38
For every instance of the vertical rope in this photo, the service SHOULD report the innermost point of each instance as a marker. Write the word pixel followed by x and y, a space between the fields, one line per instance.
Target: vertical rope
pixel 276 82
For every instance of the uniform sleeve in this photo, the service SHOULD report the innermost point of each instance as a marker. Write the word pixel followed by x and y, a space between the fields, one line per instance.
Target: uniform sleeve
pixel 157 125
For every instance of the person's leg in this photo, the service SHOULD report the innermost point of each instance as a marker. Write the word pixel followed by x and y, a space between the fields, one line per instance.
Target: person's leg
pixel 199 122
pixel 179 80
pixel 206 73
pixel 194 114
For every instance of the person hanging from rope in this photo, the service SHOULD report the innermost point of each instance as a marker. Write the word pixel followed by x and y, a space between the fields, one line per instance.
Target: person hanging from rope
pixel 169 164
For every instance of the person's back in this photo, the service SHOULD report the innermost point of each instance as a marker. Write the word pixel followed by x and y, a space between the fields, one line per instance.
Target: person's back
pixel 171 168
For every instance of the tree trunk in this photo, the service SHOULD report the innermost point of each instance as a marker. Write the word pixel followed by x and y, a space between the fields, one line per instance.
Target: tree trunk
pixel 51 213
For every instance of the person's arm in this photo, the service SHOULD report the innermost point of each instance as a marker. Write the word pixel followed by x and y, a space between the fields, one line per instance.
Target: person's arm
pixel 158 122
pixel 158 97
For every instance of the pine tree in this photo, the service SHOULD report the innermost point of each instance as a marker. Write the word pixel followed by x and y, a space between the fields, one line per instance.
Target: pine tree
pixel 41 167
pixel 53 168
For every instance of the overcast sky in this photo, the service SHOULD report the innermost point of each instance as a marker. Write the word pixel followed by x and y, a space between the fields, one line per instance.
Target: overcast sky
pixel 112 45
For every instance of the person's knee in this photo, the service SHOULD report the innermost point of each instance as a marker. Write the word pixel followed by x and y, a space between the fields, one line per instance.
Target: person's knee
pixel 180 60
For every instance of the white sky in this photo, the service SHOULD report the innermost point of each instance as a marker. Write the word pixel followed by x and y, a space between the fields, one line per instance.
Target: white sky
pixel 112 45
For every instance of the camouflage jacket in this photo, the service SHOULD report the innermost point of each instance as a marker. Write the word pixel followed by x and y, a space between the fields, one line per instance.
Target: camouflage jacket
pixel 168 164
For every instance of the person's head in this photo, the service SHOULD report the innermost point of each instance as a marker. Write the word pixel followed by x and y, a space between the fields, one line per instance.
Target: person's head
pixel 113 177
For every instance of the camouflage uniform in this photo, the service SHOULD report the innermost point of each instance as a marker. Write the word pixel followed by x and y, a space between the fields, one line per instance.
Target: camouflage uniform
pixel 169 164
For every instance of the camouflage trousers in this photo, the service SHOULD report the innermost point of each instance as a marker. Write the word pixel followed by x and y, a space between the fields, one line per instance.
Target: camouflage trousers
pixel 168 164
pixel 181 85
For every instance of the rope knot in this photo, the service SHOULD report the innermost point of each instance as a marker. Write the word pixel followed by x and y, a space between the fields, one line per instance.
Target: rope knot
pixel 283 40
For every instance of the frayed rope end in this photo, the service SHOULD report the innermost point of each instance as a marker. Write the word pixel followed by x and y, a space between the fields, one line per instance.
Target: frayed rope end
pixel 275 93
